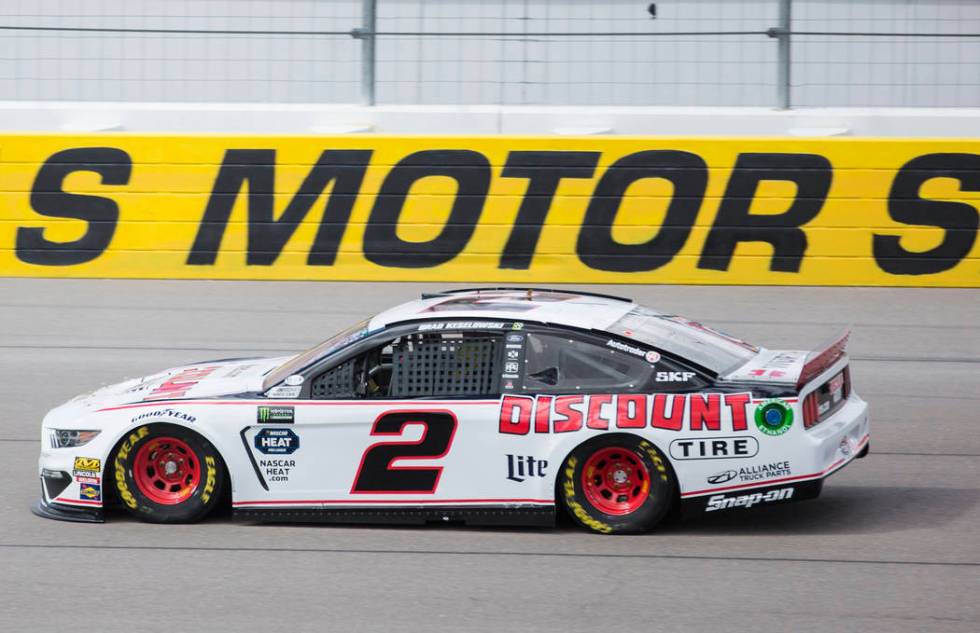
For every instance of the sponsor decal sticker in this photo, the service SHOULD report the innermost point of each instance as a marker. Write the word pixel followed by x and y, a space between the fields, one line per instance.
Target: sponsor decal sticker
pixel 88 463
pixel 773 417
pixel 652 357
pixel 92 492
pixel 520 467
pixel 277 441
pixel 723 477
pixel 179 384
pixel 673 376
pixel 294 380
pixel 695 412
pixel 629 349
pixel 275 415
pixel 759 472
pixel 277 470
pixel 714 448
pixel 84 477
pixel 284 392
pixel 725 502
pixel 171 414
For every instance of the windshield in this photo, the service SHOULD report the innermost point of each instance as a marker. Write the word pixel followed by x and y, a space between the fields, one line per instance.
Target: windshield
pixel 687 339
pixel 354 333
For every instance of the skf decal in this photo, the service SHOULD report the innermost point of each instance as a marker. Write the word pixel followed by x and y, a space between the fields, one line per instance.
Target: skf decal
pixel 670 412
pixel 900 212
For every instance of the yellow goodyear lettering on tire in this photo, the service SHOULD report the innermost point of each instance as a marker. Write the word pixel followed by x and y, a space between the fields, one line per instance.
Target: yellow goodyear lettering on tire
pixel 211 481
pixel 120 465
pixel 568 487
pixel 658 461
pixel 877 212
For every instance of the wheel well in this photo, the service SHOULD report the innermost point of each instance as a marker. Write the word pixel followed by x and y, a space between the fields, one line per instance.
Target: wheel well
pixel 675 502
pixel 111 498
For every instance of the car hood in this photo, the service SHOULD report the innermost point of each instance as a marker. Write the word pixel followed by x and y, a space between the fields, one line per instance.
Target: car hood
pixel 209 379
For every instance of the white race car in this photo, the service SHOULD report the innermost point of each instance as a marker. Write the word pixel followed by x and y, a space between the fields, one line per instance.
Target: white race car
pixel 491 406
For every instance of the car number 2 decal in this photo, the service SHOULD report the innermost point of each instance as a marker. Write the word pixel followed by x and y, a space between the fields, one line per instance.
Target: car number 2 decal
pixel 377 475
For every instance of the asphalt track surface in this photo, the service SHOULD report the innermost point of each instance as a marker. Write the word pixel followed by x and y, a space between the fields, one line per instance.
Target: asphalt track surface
pixel 892 545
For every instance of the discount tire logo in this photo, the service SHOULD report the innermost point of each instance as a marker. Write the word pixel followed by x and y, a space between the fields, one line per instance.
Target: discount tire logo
pixel 588 210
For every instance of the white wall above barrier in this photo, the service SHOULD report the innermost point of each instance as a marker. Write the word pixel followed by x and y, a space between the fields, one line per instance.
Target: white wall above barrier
pixel 317 119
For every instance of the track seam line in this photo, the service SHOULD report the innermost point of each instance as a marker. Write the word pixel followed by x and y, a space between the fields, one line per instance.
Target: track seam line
pixel 273 550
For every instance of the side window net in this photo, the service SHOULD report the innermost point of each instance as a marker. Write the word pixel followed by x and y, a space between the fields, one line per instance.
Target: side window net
pixel 444 364
pixel 337 382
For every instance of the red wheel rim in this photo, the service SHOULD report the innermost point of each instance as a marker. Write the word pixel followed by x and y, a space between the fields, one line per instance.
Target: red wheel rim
pixel 615 480
pixel 166 470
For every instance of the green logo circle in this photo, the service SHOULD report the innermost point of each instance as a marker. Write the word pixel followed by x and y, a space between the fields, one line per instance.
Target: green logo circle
pixel 773 417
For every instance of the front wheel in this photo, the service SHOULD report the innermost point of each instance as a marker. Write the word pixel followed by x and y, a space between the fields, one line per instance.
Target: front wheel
pixel 165 473
pixel 617 484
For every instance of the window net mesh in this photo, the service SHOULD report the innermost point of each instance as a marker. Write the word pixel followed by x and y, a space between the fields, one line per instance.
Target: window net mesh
pixel 444 364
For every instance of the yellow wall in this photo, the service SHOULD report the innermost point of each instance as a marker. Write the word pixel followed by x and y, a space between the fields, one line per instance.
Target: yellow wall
pixel 151 193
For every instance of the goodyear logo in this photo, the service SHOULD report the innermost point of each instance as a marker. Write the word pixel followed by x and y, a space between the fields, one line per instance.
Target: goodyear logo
pixel 88 463
pixel 501 209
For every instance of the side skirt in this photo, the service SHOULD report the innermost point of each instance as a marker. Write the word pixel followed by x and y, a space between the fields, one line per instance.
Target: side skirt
pixel 535 516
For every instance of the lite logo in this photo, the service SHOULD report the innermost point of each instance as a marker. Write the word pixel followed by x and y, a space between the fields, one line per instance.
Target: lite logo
pixel 521 466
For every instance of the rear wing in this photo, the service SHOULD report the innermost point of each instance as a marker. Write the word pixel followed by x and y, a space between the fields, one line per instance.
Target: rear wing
pixel 790 367
pixel 825 355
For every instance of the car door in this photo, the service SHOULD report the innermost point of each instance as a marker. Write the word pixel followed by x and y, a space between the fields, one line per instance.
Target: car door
pixel 404 421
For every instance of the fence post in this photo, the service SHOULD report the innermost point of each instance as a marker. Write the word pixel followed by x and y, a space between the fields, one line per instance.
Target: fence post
pixel 782 34
pixel 367 36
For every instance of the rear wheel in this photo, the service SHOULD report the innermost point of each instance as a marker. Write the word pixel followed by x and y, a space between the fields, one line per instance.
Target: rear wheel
pixel 165 473
pixel 617 483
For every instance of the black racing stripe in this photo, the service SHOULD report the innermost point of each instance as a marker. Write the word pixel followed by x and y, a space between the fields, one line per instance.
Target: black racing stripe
pixel 251 458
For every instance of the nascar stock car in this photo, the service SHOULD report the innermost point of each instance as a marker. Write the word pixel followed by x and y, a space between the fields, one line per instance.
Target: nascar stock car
pixel 482 406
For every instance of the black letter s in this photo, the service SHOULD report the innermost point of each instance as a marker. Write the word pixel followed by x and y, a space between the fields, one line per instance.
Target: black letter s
pixel 49 199
pixel 960 220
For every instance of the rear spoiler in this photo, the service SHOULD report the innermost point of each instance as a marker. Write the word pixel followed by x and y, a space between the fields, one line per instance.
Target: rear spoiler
pixel 825 355
pixel 790 367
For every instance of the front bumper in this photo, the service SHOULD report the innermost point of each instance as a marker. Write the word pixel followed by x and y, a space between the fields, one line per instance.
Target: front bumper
pixel 61 512
pixel 53 505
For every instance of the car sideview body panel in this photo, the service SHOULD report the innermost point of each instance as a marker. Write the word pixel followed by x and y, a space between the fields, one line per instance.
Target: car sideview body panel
pixel 474 406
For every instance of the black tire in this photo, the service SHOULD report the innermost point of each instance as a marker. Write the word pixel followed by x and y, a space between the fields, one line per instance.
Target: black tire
pixel 618 453
pixel 156 495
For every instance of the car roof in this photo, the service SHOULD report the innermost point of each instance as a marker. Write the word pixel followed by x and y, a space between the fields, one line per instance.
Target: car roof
pixel 558 307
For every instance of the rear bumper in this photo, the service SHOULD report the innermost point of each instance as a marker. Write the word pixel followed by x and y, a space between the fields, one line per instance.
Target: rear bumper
pixel 832 445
